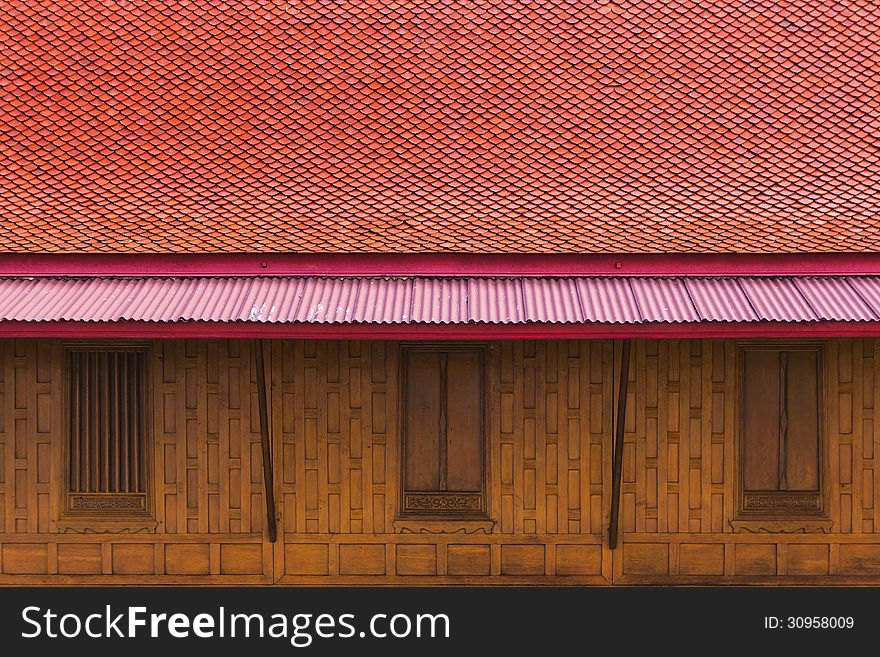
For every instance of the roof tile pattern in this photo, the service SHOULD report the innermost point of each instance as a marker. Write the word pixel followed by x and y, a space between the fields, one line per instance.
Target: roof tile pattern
pixel 440 126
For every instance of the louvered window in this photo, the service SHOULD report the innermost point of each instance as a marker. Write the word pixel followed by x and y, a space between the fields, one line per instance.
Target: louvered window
pixel 107 462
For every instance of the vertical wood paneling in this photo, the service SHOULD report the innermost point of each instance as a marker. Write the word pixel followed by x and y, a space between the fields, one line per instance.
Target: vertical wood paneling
pixel 872 435
pixel 537 403
pixel 684 430
pixel 549 419
pixel 390 428
pixel 196 415
pixel 334 415
pixel 703 422
pixel 856 424
pixel 57 410
pixel 366 442
pixel 188 491
pixel 505 510
pixel 5 436
pixel 499 376
pixel 834 436
pixel 207 480
pixel 640 466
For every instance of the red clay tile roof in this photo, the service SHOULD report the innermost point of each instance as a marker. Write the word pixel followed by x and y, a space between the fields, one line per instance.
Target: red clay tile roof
pixel 479 126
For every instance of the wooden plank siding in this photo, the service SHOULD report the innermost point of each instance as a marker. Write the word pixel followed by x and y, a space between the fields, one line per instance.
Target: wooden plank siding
pixel 334 412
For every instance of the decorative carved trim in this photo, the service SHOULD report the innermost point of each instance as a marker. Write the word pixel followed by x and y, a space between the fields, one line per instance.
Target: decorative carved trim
pixel 771 526
pixel 80 502
pixel 443 502
pixel 765 501
pixel 464 526
pixel 97 526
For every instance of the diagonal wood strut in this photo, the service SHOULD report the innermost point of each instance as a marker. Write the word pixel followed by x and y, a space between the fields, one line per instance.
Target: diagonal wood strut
pixel 617 463
pixel 268 478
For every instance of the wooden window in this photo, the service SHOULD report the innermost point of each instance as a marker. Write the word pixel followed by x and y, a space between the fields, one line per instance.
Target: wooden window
pixel 107 446
pixel 443 430
pixel 781 430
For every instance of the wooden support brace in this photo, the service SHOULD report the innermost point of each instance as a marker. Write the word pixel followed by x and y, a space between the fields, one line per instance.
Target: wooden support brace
pixel 617 464
pixel 268 478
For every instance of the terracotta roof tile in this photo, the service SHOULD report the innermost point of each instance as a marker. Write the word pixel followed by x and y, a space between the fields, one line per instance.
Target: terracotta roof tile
pixel 479 126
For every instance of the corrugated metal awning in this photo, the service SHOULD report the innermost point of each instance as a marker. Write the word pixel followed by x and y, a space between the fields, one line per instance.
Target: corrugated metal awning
pixel 442 300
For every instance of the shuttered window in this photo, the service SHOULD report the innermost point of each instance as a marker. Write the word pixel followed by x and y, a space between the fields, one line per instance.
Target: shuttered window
pixel 107 451
pixel 781 430
pixel 443 432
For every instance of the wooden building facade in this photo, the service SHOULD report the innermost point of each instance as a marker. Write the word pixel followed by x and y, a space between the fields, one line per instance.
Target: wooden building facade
pixel 140 461
pixel 444 258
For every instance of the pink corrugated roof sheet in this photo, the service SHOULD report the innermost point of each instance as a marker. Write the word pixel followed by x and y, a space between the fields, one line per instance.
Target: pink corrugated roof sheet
pixel 608 300
pixel 663 300
pixel 720 300
pixel 548 299
pixel 436 301
pixel 499 303
pixel 868 289
pixel 442 300
pixel 834 299
pixel 777 300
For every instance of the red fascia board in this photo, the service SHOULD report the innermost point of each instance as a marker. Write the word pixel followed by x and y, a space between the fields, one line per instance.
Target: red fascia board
pixel 427 264
pixel 68 329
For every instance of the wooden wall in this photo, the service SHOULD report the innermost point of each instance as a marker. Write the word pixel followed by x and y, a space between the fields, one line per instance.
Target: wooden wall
pixel 206 473
pixel 679 479
pixel 334 417
pixel 549 415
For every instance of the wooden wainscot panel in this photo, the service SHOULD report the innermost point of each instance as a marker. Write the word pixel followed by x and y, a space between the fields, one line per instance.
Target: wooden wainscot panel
pixel 306 559
pixel 757 559
pixel 701 559
pixel 188 559
pixel 25 558
pixel 645 559
pixel 468 560
pixel 416 559
pixel 79 558
pixel 807 559
pixel 241 559
pixel 133 559
pixel 578 559
pixel 362 559
pixel 522 559
pixel 859 559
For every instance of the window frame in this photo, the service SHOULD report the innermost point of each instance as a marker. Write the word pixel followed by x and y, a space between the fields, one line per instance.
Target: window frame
pixel 793 511
pixel 449 513
pixel 116 514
